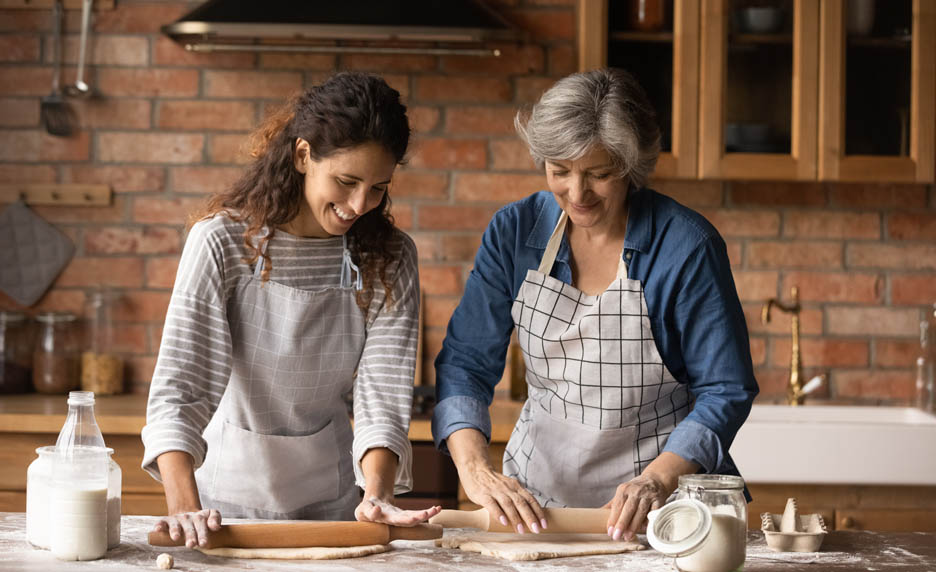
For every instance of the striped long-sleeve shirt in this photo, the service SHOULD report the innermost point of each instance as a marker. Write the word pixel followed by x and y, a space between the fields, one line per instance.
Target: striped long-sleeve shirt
pixel 195 360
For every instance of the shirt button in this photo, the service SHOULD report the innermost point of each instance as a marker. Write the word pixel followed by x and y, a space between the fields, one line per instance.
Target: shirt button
pixel 627 255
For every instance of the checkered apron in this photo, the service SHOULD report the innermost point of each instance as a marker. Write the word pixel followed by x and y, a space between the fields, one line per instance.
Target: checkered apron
pixel 279 444
pixel 601 402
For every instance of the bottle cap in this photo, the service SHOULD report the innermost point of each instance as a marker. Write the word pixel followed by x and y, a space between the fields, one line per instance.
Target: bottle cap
pixel 679 528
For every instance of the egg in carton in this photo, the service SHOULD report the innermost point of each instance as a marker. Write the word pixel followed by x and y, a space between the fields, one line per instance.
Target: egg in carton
pixel 793 532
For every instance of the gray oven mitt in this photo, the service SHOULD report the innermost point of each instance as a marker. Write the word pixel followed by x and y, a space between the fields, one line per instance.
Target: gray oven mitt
pixel 32 254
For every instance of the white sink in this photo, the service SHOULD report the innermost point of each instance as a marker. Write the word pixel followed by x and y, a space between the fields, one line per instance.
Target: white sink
pixel 837 445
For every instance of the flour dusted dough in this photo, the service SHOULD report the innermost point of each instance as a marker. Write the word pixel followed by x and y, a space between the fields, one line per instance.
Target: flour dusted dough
pixel 530 547
pixel 309 553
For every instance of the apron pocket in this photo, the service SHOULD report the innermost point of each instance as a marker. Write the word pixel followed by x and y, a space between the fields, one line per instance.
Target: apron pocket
pixel 577 465
pixel 274 472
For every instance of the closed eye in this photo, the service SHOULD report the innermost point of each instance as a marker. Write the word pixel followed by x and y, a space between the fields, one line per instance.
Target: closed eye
pixel 346 183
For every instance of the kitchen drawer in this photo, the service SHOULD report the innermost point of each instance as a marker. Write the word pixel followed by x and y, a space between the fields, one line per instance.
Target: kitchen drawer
pixel 892 520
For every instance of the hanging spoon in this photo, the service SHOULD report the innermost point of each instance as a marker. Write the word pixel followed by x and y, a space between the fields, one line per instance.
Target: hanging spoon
pixel 80 88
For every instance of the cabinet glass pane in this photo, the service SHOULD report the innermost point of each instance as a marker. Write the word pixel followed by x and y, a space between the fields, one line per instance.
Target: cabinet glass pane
pixel 877 77
pixel 640 38
pixel 759 77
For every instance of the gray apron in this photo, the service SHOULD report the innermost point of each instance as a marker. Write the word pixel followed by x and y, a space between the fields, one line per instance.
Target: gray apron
pixel 601 402
pixel 279 445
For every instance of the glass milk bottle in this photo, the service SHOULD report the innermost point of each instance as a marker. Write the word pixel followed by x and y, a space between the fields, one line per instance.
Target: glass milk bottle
pixel 78 496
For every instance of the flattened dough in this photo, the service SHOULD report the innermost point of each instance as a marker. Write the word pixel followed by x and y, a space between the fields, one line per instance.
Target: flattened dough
pixel 309 553
pixel 530 547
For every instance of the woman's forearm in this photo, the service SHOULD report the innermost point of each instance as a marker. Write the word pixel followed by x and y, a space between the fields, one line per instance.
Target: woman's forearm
pixel 379 466
pixel 178 477
pixel 667 468
pixel 469 448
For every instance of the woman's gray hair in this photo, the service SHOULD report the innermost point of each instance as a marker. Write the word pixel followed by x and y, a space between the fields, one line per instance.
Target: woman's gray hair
pixel 604 108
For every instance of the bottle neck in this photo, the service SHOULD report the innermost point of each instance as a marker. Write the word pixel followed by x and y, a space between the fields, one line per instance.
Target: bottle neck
pixel 80 429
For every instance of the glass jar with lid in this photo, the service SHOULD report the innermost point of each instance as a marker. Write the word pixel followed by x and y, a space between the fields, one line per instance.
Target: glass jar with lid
pixel 15 353
pixel 56 359
pixel 101 367
pixel 705 526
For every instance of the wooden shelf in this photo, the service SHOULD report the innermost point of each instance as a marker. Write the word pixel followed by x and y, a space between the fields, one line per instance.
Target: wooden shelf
pixel 71 194
pixel 47 4
pixel 891 42
pixel 647 37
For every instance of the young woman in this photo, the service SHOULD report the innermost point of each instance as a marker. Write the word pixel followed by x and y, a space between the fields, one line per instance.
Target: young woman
pixel 293 289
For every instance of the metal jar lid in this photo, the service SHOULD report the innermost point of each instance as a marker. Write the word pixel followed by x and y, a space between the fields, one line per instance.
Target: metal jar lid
pixel 55 317
pixel 7 317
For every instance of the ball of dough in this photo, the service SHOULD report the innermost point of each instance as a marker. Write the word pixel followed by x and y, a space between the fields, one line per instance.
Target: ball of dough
pixel 164 561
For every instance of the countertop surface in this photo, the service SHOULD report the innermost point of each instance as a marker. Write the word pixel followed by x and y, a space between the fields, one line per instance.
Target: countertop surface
pixel 911 552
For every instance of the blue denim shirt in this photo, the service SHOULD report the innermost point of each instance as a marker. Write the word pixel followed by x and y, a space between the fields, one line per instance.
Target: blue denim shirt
pixel 694 311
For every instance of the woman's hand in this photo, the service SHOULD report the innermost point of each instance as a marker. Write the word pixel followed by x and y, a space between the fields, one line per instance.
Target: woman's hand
pixel 504 498
pixel 376 510
pixel 195 526
pixel 631 503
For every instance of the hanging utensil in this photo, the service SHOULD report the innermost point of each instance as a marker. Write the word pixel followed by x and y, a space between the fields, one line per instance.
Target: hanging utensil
pixel 54 111
pixel 80 88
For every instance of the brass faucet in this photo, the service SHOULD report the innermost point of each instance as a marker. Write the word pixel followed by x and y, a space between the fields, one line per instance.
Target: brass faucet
pixel 795 393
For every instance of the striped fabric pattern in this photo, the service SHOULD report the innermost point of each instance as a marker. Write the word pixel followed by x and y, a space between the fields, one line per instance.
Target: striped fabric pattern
pixel 194 362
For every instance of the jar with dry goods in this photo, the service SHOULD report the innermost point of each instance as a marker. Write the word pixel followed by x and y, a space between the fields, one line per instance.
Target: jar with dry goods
pixel 15 353
pixel 101 366
pixel 57 357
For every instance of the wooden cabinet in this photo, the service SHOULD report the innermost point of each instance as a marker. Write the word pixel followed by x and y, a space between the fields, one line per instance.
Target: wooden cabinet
pixel 786 94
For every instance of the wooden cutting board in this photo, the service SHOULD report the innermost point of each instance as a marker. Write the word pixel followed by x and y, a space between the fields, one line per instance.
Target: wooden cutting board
pixel 307 533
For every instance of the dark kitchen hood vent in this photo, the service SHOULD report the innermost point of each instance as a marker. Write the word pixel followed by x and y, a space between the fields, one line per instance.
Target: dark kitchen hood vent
pixel 335 26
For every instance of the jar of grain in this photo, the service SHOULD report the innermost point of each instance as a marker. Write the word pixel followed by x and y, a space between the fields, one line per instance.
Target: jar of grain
pixel 56 359
pixel 101 366
pixel 15 353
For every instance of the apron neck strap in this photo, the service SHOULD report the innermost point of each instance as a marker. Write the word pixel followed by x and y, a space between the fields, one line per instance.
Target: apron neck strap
pixel 348 266
pixel 552 247
pixel 258 267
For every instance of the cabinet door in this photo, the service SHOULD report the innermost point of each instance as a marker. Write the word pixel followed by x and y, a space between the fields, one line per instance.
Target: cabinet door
pixel 657 41
pixel 759 89
pixel 878 69
pixel 886 520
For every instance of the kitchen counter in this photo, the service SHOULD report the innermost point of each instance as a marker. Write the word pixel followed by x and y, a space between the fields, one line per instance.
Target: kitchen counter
pixel 841 551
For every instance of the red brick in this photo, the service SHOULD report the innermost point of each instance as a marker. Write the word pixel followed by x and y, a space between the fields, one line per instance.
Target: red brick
pixel 113 113
pixel 415 185
pixel 139 371
pixel 321 62
pixel 773 383
pixel 873 195
pixel 795 254
pixel 913 289
pixel 74 148
pixel 25 20
pixel 161 271
pixel 869 384
pixel 139 17
pixel 873 321
pixel 155 334
pixel 912 226
pixel 130 338
pixel 22 80
pixel 756 284
pixel 460 217
pixel 897 256
pixel 562 59
pixel 423 119
pixel 432 345
pixel 112 213
pixel 58 300
pixel 389 63
pixel 529 89
pixel 18 173
pixel 143 306
pixel 202 179
pixel 403 216
pixel 770 193
pixel 810 320
pixel 103 50
pixel 693 194
pixel 164 210
pixel 758 351
pixel 132 240
pixel 511 155
pixel 19 48
pixel 836 286
pixel 229 149
pixel 438 279
pixel 121 179
pixel 19 145
pixel 896 353
pixel 427 245
pixel 439 153
pixel 200 115
pixel 734 252
pixel 438 310
pixel 496 187
pixel 731 222
pixel 515 59
pixel 150 147
pixel 90 271
pixel 821 352
pixel 545 24
pixel 462 89
pixel 460 247
pixel 168 53
pixel 17 112
pixel 250 84
pixel 399 82
pixel 480 120
pixel 152 82
pixel 831 224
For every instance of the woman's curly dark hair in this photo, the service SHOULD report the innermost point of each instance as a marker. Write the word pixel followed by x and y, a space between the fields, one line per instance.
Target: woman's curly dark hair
pixel 347 110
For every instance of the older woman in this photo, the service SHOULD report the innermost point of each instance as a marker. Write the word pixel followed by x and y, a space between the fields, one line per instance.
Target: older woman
pixel 626 313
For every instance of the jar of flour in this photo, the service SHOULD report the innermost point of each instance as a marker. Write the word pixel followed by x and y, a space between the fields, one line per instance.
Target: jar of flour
pixel 704 527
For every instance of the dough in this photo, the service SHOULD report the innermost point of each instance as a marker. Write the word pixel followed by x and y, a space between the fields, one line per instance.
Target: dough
pixel 538 547
pixel 308 553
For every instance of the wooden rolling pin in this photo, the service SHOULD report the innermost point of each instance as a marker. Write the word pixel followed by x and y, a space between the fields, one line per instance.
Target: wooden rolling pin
pixel 559 519
pixel 301 534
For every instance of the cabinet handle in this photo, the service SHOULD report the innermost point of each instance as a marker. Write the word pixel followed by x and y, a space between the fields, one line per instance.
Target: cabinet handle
pixel 848 522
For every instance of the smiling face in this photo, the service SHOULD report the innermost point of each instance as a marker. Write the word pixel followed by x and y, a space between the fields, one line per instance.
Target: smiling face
pixel 589 190
pixel 340 188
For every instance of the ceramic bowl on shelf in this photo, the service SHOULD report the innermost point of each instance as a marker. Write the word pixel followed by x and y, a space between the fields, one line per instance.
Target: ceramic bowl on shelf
pixel 760 19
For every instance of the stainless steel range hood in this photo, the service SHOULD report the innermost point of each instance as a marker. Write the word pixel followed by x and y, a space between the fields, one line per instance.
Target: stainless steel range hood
pixel 335 26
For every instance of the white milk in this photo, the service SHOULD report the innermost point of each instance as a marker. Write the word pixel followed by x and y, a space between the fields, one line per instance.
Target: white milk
pixel 37 513
pixel 723 549
pixel 113 522
pixel 79 523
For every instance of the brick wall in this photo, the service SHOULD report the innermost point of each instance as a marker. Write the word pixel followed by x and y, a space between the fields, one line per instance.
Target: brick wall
pixel 169 127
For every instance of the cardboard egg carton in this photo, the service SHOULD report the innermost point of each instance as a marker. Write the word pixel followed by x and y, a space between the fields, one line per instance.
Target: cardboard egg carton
pixel 793 532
